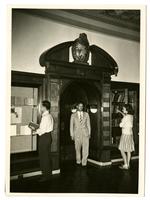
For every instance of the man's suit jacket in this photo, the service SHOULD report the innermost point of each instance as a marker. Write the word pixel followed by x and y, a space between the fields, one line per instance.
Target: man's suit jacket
pixel 77 128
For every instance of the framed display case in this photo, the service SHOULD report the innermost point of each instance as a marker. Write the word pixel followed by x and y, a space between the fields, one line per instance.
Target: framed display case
pixel 24 108
pixel 27 92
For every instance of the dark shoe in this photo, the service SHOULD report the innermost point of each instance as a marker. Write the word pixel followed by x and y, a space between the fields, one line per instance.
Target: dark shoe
pixel 44 179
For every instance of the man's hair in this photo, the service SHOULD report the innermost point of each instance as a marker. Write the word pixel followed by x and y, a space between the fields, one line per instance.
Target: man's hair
pixel 80 102
pixel 46 104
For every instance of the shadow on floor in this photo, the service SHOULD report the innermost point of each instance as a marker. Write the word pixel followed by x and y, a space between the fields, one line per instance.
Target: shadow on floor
pixel 76 179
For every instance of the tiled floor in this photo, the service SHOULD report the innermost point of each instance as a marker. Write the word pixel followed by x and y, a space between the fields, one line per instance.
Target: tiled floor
pixel 76 179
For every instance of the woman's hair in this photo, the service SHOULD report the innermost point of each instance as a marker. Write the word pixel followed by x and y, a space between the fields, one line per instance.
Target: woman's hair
pixel 46 104
pixel 129 109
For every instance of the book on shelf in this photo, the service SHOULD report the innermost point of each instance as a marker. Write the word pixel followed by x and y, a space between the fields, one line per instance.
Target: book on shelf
pixel 116 108
pixel 33 126
pixel 112 96
pixel 131 96
pixel 121 97
pixel 118 97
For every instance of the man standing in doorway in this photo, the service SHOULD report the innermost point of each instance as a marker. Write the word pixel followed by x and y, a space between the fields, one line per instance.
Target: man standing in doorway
pixel 80 132
pixel 45 140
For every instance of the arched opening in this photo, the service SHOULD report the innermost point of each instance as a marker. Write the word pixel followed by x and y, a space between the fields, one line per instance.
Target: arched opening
pixel 75 92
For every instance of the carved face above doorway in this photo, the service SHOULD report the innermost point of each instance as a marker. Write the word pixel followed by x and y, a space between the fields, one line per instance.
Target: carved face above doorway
pixel 80 49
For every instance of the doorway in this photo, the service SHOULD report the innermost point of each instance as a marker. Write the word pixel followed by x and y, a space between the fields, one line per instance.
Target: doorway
pixel 75 92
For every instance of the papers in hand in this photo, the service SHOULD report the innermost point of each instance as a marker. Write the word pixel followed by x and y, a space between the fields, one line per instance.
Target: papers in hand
pixel 33 126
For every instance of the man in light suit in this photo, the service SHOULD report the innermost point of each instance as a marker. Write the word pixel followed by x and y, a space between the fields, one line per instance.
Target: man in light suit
pixel 80 132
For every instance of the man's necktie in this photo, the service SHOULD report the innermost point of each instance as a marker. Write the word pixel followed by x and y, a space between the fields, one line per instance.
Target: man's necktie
pixel 80 117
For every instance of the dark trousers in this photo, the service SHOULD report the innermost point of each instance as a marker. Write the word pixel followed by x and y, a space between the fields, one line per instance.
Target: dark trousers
pixel 45 141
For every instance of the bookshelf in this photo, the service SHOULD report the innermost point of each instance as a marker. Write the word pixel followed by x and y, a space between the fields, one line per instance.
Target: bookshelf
pixel 122 93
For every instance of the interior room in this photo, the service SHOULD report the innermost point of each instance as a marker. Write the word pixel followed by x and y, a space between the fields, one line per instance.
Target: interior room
pixel 69 56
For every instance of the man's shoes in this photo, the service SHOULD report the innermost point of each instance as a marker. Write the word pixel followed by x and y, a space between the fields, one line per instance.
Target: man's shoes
pixel 45 179
pixel 84 165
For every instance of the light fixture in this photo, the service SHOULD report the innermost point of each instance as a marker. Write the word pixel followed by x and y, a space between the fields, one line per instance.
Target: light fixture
pixel 93 108
pixel 73 110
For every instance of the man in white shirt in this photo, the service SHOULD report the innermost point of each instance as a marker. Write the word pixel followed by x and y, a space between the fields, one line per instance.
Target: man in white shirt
pixel 45 140
pixel 80 132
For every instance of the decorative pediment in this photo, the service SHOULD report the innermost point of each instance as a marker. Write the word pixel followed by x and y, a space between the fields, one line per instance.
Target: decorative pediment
pixel 80 49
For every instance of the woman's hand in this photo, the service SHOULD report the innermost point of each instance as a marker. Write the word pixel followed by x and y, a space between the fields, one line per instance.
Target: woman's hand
pixel 118 111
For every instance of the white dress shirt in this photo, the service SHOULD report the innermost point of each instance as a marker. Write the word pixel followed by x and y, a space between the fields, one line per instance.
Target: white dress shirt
pixel 46 125
pixel 80 114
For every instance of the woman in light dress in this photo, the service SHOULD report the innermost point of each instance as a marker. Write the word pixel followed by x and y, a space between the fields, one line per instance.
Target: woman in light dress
pixel 126 145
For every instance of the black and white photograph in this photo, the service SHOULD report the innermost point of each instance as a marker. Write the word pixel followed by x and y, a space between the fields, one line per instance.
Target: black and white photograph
pixel 76 100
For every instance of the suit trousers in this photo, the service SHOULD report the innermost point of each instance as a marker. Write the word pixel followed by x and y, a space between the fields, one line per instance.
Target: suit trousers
pixel 82 143
pixel 45 141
